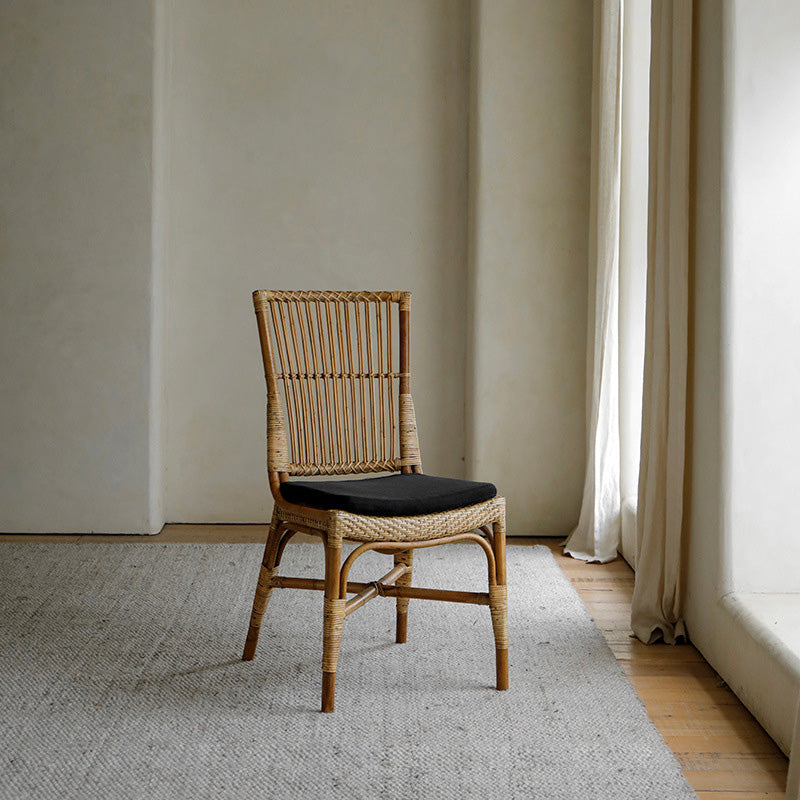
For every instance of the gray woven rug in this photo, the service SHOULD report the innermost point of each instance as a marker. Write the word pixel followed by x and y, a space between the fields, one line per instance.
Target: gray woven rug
pixel 120 678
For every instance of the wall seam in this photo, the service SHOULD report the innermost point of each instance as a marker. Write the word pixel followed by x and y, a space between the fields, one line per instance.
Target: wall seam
pixel 162 73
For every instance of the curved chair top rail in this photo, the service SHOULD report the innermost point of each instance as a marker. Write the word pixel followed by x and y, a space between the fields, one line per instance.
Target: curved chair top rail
pixel 265 295
pixel 338 399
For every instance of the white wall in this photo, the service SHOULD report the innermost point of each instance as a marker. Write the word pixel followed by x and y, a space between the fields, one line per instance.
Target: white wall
pixel 743 434
pixel 707 548
pixel 763 207
pixel 161 159
pixel 530 122
pixel 75 255
pixel 313 145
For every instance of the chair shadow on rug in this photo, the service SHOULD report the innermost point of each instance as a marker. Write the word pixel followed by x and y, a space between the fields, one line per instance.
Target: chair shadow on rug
pixel 339 403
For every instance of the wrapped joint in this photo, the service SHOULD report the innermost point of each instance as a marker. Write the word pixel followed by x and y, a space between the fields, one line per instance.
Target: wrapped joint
pixel 277 448
pixel 409 441
pixel 333 617
pixel 498 605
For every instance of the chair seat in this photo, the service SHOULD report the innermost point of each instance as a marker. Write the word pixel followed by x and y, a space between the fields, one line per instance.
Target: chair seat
pixel 396 495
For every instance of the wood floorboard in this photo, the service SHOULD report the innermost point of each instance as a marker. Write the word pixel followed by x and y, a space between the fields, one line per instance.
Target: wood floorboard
pixel 715 794
pixel 723 751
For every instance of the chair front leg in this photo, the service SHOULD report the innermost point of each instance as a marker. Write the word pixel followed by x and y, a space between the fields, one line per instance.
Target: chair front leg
pixel 333 621
pixel 263 589
pixel 405 557
pixel 498 604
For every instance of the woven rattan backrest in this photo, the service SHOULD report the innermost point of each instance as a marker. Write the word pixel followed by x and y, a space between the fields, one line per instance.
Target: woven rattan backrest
pixel 336 365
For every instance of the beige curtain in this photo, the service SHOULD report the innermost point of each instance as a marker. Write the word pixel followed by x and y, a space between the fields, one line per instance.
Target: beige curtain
pixel 657 600
pixel 597 535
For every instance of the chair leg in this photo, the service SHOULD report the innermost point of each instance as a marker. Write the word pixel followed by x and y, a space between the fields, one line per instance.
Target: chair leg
pixel 405 557
pixel 498 605
pixel 263 590
pixel 333 622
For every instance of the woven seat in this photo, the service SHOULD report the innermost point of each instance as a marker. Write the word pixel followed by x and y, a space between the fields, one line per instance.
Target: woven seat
pixel 339 403
pixel 398 495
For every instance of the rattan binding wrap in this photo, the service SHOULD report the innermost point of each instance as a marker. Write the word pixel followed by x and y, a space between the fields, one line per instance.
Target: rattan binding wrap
pixel 498 604
pixel 339 403
pixel 333 622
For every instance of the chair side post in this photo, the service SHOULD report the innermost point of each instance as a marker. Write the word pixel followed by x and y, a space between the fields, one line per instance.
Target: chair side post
pixel 277 450
pixel 409 440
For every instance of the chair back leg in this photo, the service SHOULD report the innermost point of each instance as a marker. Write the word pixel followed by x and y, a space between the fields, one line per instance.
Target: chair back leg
pixel 406 557
pixel 263 589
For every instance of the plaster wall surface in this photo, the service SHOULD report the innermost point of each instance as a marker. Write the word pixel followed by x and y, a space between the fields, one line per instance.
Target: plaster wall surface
pixel 530 119
pixel 763 90
pixel 708 561
pixel 75 254
pixel 312 145
pixel 161 160
pixel 742 263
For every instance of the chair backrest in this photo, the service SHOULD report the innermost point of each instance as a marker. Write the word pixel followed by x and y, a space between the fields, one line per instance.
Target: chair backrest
pixel 338 398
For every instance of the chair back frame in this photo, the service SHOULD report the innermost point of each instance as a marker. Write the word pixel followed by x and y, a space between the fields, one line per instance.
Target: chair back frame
pixel 338 383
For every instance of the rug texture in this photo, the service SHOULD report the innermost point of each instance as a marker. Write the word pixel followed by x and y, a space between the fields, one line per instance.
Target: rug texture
pixel 120 678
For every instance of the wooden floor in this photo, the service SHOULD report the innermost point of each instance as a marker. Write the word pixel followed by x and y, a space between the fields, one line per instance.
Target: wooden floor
pixel 724 752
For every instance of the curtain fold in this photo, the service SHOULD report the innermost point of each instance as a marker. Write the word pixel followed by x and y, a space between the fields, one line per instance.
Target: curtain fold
pixel 597 534
pixel 657 608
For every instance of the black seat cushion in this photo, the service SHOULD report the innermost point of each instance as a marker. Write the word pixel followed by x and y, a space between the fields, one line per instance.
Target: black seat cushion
pixel 390 495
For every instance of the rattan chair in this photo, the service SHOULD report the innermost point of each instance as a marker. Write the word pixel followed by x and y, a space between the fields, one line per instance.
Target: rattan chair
pixel 339 403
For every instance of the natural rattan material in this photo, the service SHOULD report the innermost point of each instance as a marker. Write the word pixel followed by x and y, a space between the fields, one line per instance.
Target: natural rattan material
pixel 359 528
pixel 405 558
pixel 339 403
pixel 498 603
pixel 333 623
